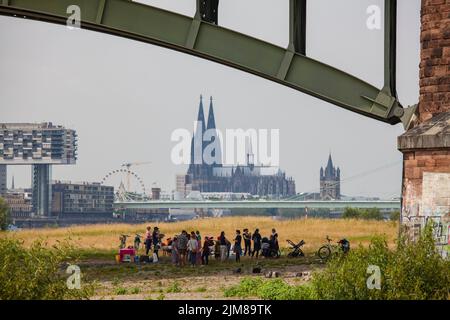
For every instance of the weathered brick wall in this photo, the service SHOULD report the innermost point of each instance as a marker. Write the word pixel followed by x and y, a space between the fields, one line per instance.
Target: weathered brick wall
pixel 426 195
pixel 435 58
pixel 426 146
pixel 416 163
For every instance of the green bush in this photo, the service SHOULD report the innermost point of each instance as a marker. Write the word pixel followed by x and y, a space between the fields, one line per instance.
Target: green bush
pixel 161 297
pixel 351 213
pixel 367 214
pixel 135 290
pixel 278 289
pixel 121 291
pixel 272 289
pixel 411 271
pixel 174 288
pixel 395 216
pixel 5 217
pixel 248 287
pixel 37 273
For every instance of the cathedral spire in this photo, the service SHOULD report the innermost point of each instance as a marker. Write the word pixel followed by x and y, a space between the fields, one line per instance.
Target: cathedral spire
pixel 212 126
pixel 12 184
pixel 329 170
pixel 211 120
pixel 201 114
pixel 197 145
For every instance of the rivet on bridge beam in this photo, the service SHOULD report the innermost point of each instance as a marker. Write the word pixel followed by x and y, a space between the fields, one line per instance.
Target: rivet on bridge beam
pixel 208 10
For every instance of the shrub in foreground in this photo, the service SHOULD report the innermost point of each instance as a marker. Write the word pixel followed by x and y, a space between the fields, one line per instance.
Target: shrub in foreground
pixel 411 271
pixel 5 214
pixel 37 273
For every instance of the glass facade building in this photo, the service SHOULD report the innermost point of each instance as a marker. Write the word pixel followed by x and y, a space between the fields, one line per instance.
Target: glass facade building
pixel 37 143
pixel 81 198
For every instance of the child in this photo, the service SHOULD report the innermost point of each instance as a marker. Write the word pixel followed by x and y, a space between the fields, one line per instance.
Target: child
pixel 137 242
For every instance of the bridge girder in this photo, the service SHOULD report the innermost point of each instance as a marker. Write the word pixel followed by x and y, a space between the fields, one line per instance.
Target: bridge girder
pixel 192 35
pixel 255 204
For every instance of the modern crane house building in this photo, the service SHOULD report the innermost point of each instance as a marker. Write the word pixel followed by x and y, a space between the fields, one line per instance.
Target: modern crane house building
pixel 37 143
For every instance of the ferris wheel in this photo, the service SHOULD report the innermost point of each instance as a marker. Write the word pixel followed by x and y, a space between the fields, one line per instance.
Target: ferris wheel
pixel 127 183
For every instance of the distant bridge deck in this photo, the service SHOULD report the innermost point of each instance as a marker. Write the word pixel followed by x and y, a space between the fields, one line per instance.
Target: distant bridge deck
pixel 251 204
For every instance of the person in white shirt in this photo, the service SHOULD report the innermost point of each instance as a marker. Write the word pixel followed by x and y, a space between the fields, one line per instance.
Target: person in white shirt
pixel 192 247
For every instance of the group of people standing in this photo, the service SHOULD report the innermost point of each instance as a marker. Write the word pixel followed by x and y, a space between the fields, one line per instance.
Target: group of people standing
pixel 248 238
pixel 152 238
pixel 188 247
pixel 193 249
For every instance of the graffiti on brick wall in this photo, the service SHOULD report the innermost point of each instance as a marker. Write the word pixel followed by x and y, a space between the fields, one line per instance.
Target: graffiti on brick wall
pixel 431 205
pixel 412 200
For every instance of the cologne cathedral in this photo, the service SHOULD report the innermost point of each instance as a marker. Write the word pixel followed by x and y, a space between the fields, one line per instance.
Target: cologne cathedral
pixel 263 181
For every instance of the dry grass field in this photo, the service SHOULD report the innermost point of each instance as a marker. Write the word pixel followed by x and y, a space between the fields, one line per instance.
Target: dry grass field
pixel 98 244
pixel 313 231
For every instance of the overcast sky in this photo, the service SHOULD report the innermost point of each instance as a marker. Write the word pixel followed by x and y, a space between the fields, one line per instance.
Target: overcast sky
pixel 125 98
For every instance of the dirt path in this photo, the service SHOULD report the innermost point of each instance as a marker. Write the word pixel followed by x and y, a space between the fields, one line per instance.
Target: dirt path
pixel 163 281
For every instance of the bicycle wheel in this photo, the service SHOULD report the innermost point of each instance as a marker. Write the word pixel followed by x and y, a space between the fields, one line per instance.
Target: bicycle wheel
pixel 324 252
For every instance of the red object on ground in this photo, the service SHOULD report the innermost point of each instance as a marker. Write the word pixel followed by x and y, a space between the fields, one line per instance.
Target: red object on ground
pixel 123 252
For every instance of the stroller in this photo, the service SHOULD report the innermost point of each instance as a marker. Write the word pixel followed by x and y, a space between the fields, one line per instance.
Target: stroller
pixel 296 249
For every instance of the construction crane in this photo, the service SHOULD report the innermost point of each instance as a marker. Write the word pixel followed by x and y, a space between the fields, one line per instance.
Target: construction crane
pixel 132 164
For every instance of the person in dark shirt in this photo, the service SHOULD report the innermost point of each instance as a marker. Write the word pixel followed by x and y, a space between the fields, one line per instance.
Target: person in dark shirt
pixel 223 246
pixel 206 251
pixel 274 240
pixel 247 242
pixel 182 247
pixel 256 237
pixel 155 239
pixel 238 245
pixel 148 240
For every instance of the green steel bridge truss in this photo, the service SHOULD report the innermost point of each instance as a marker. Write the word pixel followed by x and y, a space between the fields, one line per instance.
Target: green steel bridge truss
pixel 201 36
pixel 255 204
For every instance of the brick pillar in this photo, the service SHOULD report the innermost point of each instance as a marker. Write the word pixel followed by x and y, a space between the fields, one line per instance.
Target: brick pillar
pixel 435 57
pixel 426 147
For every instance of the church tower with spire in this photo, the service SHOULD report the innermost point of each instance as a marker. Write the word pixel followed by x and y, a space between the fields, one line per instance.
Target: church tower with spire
pixel 208 174
pixel 198 170
pixel 330 181
pixel 215 139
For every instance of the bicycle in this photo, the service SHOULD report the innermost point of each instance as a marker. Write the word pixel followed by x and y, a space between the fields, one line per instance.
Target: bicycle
pixel 326 250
